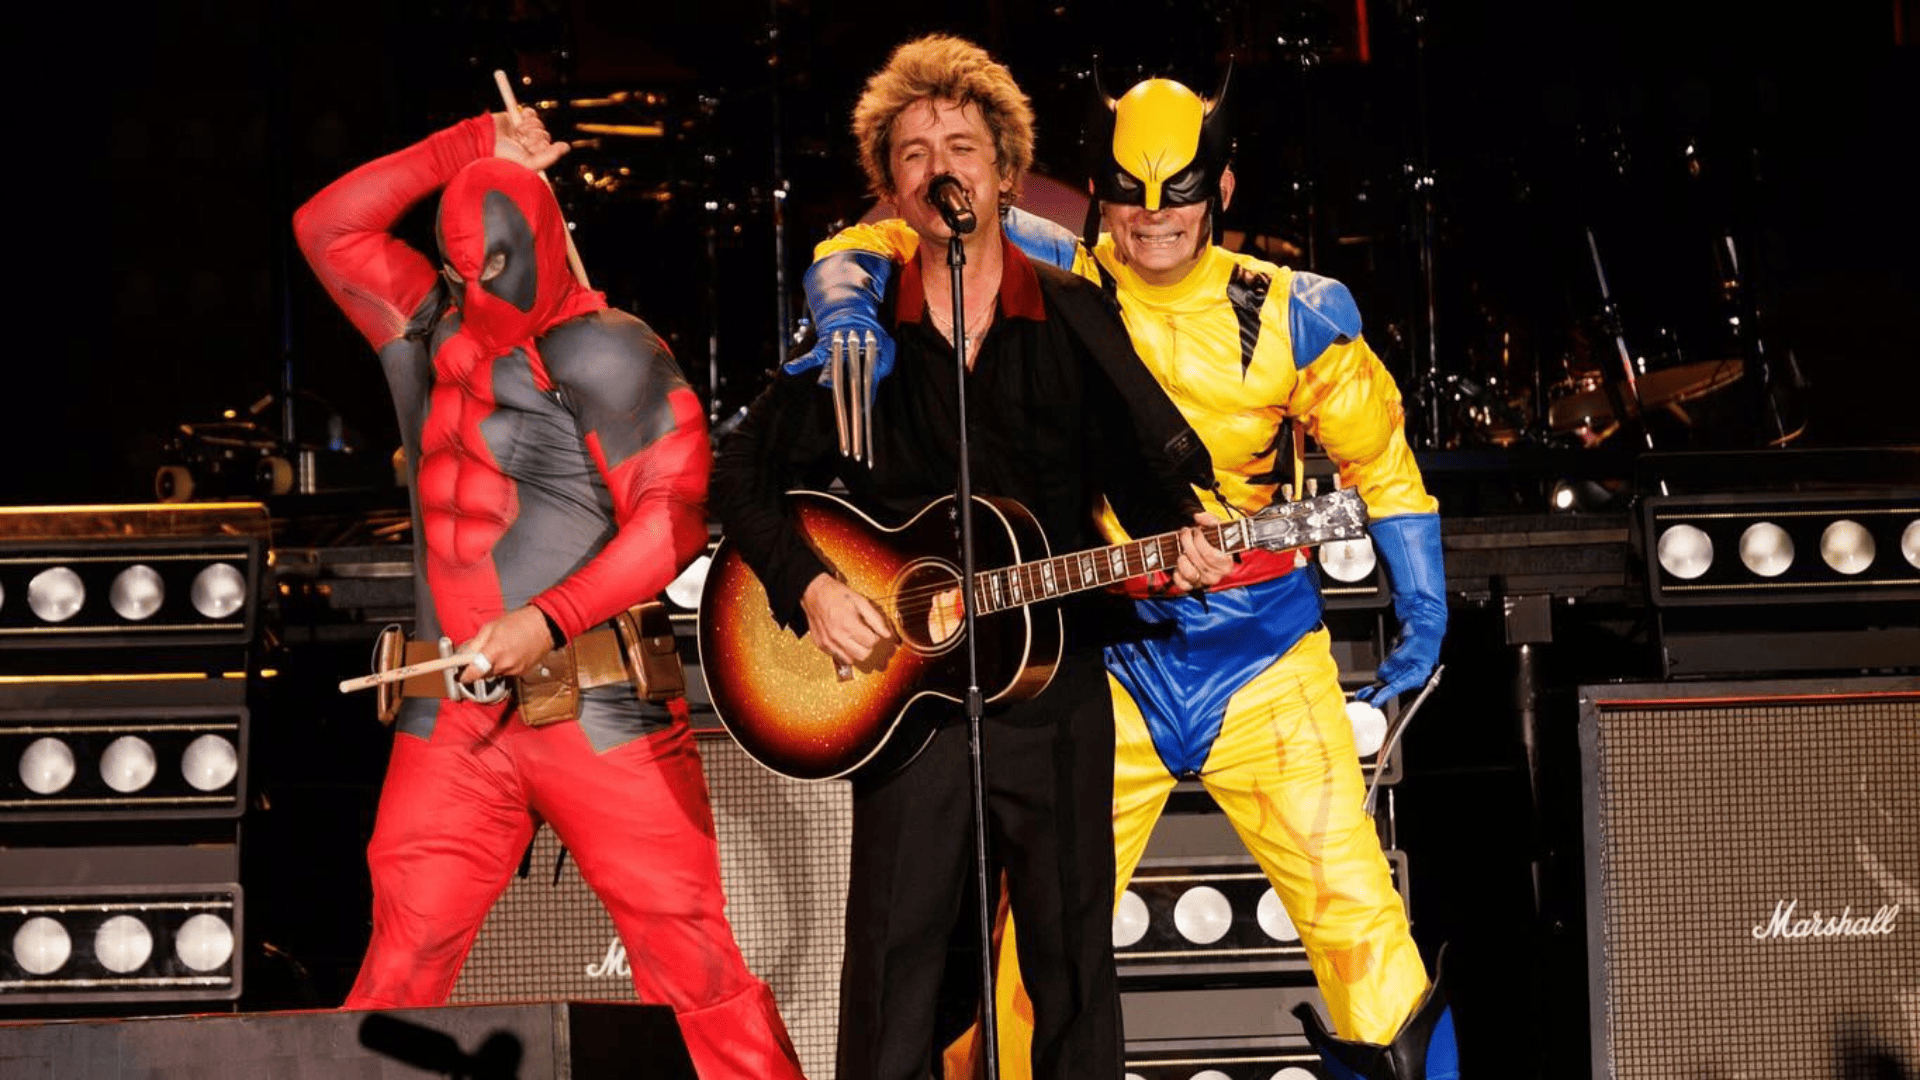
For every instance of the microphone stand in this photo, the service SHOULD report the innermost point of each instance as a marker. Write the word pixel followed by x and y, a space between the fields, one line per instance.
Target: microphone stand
pixel 976 703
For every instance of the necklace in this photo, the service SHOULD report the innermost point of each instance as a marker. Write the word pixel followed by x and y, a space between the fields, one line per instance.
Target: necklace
pixel 977 321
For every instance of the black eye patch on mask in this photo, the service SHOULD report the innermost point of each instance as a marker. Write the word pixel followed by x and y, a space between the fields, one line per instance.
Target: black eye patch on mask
pixel 509 234
pixel 1194 184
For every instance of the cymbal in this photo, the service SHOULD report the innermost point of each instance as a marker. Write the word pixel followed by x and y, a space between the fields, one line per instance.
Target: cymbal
pixel 1658 389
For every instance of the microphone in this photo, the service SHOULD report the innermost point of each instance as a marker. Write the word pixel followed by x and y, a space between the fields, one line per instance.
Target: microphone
pixel 945 194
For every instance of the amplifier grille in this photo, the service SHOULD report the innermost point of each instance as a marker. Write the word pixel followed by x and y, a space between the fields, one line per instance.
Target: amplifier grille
pixel 1720 826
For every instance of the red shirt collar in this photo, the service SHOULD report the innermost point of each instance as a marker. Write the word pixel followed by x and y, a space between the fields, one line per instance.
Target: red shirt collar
pixel 1019 287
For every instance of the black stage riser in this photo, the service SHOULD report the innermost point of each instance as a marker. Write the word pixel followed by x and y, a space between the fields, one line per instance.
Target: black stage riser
pixel 545 1041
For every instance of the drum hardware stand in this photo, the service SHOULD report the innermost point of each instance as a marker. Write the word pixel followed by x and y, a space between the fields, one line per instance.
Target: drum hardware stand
pixel 1744 324
pixel 1419 173
pixel 1610 316
pixel 1303 52
pixel 782 303
pixel 710 207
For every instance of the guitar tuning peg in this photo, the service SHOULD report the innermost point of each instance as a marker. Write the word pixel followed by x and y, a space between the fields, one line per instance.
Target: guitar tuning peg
pixel 1286 492
pixel 1313 486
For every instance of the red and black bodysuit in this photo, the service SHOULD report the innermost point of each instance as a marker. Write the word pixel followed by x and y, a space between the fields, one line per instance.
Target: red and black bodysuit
pixel 559 460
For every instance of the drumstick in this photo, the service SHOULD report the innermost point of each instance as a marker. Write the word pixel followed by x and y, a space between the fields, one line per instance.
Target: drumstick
pixel 425 667
pixel 513 112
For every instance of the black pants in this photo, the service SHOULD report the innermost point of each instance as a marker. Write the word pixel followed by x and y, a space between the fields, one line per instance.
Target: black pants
pixel 1049 772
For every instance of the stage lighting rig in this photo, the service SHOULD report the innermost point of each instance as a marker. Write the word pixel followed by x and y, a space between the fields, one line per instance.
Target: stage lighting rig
pixel 119 924
pixel 1767 582
pixel 1784 549
pixel 158 584
pixel 1210 921
pixel 126 654
pixel 120 751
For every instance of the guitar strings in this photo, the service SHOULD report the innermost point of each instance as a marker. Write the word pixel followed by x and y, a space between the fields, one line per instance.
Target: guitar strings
pixel 1026 570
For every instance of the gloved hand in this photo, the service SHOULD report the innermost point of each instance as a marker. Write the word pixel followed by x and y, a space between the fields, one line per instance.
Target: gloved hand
pixel 843 292
pixel 1039 238
pixel 1409 548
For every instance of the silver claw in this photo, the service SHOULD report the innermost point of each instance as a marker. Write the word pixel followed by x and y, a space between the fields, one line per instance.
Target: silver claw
pixel 871 347
pixel 837 386
pixel 857 396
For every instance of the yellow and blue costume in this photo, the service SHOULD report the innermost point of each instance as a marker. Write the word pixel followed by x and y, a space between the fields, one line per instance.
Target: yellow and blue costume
pixel 1240 691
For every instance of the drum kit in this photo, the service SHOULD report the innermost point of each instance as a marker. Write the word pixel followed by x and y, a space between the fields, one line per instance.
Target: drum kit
pixel 1585 383
pixel 1576 399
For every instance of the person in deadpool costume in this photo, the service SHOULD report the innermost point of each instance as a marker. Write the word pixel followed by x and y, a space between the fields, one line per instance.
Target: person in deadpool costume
pixel 559 473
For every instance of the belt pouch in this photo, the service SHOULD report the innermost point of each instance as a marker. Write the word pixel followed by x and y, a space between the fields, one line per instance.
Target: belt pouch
pixel 549 692
pixel 651 653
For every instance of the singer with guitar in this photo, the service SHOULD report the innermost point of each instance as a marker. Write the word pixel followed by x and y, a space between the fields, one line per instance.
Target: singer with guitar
pixel 1060 410
pixel 1241 691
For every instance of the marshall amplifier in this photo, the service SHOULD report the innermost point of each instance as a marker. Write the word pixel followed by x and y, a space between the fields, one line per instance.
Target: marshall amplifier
pixel 784 860
pixel 1753 878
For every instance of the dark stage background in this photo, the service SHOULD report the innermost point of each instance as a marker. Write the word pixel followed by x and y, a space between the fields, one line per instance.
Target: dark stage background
pixel 164 184
pixel 174 294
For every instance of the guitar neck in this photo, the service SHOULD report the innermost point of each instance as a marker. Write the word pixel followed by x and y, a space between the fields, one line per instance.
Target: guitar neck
pixel 1045 579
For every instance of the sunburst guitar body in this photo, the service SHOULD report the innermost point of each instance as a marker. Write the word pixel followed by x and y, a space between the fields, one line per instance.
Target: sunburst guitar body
pixel 794 711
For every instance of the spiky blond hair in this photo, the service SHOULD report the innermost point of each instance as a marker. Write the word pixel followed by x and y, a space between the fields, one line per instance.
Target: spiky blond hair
pixel 943 66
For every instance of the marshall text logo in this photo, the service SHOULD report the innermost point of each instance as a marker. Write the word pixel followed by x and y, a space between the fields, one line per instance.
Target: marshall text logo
pixel 1784 925
pixel 614 964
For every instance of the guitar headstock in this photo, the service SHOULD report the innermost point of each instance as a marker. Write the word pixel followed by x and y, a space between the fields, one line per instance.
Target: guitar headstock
pixel 1337 515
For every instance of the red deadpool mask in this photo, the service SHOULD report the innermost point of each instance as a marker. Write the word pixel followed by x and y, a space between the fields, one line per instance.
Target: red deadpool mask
pixel 491 208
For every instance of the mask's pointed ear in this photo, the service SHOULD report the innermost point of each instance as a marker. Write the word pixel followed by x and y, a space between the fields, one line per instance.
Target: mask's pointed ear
pixel 1101 91
pixel 1097 131
pixel 1097 151
pixel 1216 139
pixel 1220 91
pixel 1216 129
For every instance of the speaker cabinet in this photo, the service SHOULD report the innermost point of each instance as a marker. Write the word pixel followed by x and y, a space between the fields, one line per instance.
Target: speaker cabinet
pixel 1753 878
pixel 784 860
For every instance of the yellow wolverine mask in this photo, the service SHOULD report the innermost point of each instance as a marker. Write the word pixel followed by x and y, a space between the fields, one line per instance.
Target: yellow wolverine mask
pixel 1156 133
pixel 1166 145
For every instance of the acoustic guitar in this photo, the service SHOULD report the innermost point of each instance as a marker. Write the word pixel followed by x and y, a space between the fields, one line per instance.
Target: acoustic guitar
pixel 793 710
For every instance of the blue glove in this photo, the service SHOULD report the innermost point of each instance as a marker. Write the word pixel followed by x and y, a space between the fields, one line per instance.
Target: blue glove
pixel 1409 547
pixel 843 292
pixel 1041 239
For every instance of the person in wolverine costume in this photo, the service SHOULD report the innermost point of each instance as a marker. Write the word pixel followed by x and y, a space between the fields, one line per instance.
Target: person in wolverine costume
pixel 559 470
pixel 1240 690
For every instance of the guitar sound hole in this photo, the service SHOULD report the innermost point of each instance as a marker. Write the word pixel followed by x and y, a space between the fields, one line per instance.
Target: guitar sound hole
pixel 927 606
